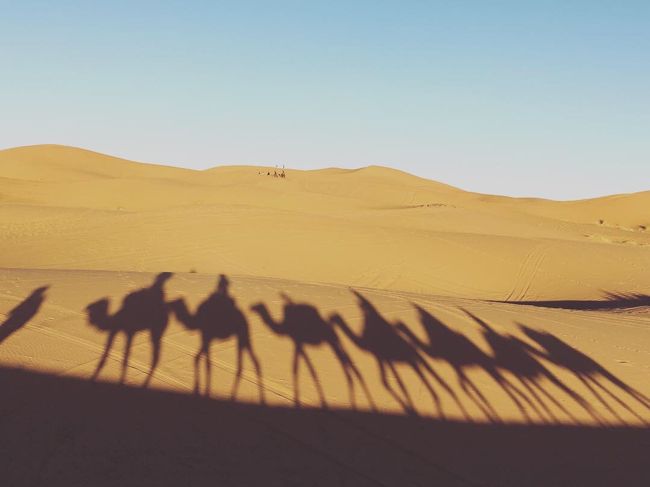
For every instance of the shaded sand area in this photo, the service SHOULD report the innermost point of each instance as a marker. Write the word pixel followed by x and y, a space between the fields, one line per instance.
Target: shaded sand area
pixel 339 328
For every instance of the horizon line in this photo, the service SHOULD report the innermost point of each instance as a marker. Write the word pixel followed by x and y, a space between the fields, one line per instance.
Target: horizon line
pixel 277 165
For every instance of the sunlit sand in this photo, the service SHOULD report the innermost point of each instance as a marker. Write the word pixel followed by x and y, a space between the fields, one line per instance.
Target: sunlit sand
pixel 366 293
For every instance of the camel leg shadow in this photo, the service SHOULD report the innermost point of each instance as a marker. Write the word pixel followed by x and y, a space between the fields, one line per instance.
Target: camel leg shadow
pixel 350 370
pixel 616 399
pixel 126 357
pixel 241 348
pixel 156 342
pixel 407 403
pixel 107 349
pixel 204 353
pixel 477 397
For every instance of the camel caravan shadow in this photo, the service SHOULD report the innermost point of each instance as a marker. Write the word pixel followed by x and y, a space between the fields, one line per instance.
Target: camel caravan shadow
pixel 522 367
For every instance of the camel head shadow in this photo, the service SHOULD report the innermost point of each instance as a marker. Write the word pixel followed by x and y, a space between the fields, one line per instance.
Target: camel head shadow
pixel 23 313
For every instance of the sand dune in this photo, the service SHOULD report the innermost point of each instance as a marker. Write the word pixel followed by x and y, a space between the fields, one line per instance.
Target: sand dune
pixel 374 227
pixel 418 301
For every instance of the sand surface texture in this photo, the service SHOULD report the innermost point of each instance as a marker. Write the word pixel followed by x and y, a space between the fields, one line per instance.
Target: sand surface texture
pixel 163 326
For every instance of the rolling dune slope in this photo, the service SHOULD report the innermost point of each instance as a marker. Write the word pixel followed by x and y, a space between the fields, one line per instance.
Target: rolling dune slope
pixel 67 208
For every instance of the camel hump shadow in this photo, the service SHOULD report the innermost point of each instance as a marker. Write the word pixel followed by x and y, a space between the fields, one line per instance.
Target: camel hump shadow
pixel 221 313
pixel 146 308
pixel 443 342
pixel 382 337
pixel 308 323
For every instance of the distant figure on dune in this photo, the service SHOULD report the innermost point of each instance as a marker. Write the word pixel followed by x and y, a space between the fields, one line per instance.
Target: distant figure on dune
pixel 141 310
pixel 21 314
pixel 219 318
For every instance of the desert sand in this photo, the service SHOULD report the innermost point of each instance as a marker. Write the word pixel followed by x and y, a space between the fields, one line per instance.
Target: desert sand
pixel 334 327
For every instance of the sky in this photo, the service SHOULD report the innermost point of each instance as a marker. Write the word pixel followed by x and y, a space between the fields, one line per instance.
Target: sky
pixel 524 98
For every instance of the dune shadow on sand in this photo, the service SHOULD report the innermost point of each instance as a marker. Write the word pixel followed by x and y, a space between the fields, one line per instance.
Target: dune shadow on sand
pixel 611 301
pixel 59 431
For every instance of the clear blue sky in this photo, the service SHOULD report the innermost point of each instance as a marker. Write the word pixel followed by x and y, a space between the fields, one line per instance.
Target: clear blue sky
pixel 540 98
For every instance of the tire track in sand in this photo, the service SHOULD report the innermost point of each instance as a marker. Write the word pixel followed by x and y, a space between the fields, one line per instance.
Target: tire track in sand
pixel 528 270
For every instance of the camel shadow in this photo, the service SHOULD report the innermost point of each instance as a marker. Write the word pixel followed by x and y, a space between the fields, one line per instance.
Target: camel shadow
pixel 384 341
pixel 462 355
pixel 141 310
pixel 304 325
pixel 219 318
pixel 21 314
pixel 587 370
pixel 520 359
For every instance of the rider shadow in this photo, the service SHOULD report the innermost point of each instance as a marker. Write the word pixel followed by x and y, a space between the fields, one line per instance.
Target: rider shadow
pixel 384 341
pixel 141 310
pixel 587 370
pixel 306 328
pixel 21 314
pixel 219 318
